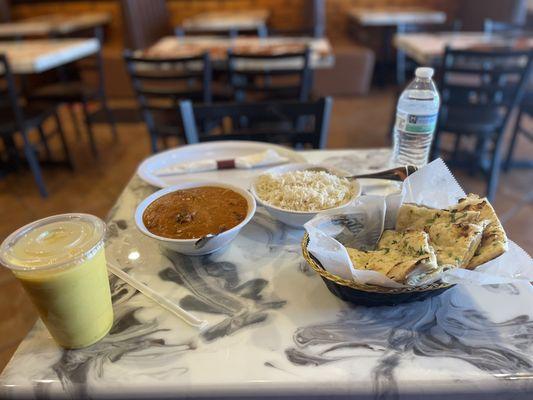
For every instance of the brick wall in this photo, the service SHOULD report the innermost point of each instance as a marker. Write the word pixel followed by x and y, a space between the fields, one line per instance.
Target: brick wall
pixel 285 14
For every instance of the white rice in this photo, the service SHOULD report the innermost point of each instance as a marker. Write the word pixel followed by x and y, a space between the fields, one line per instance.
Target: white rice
pixel 304 190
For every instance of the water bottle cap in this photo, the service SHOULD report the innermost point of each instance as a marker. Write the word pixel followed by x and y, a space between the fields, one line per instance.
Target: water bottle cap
pixel 424 72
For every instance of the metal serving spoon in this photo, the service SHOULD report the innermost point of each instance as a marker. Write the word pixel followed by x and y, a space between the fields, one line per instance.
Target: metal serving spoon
pixel 393 174
pixel 203 240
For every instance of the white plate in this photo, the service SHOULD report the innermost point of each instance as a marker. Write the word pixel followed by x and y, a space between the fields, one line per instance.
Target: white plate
pixel 216 150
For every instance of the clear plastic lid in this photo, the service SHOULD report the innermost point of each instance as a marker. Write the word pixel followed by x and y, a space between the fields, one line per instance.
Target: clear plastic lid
pixel 53 242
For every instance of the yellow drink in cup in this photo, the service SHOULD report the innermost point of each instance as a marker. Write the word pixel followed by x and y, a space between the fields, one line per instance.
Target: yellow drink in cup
pixel 60 261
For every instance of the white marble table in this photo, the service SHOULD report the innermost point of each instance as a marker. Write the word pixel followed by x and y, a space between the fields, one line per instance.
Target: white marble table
pixel 53 24
pixel 394 16
pixel 39 55
pixel 172 46
pixel 276 331
pixel 245 20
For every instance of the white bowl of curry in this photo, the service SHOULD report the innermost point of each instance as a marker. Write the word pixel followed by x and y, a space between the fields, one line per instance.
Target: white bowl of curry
pixel 180 215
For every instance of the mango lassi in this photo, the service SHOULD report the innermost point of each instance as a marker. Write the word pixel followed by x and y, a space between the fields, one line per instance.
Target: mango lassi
pixel 61 263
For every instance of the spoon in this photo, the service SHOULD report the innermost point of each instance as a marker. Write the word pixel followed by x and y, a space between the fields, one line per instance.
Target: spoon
pixel 203 240
pixel 393 174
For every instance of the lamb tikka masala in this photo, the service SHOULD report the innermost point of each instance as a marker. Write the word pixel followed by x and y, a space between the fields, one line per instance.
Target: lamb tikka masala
pixel 196 212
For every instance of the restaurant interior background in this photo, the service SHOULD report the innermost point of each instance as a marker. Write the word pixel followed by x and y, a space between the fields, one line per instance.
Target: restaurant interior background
pixel 362 83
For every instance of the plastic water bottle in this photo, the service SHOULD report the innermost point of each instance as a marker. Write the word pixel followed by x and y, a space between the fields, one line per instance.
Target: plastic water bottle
pixel 416 118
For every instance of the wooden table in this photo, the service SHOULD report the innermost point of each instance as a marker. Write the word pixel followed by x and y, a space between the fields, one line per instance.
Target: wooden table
pixel 395 20
pixel 428 48
pixel 248 20
pixel 172 46
pixel 396 16
pixel 39 55
pixel 53 25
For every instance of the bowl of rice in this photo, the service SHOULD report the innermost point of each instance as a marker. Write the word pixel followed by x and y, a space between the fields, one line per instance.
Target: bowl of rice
pixel 295 193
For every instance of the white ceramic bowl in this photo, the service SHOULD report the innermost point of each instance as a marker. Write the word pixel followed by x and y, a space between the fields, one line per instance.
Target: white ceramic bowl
pixel 297 219
pixel 187 246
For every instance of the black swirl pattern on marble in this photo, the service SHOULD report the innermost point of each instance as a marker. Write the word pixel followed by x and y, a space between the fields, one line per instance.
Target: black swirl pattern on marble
pixel 215 288
pixel 127 335
pixel 438 327
pixel 507 288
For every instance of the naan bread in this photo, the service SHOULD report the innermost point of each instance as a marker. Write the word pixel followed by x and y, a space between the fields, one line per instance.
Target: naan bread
pixel 455 244
pixel 454 234
pixel 405 257
pixel 494 240
pixel 415 217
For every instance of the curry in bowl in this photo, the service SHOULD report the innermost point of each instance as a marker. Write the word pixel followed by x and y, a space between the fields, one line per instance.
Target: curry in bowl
pixel 195 212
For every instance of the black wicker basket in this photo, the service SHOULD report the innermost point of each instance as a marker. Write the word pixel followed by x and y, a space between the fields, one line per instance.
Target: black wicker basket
pixel 370 295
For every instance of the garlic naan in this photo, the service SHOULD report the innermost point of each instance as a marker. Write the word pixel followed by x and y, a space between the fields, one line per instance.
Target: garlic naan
pixel 455 234
pixel 405 257
pixel 415 217
pixel 494 240
pixel 455 244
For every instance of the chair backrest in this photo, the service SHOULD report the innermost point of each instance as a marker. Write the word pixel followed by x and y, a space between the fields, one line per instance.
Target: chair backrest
pixel 488 83
pixel 260 31
pixel 472 13
pixel 286 75
pixel 306 123
pixel 161 83
pixel 145 22
pixel 93 65
pixel 506 28
pixel 9 95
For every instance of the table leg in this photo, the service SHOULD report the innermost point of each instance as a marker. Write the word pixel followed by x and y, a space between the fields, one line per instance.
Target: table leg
pixel 400 60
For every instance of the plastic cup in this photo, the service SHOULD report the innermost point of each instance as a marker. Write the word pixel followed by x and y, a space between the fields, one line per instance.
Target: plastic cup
pixel 60 261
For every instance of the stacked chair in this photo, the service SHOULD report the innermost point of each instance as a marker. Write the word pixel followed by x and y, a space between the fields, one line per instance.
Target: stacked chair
pixel 479 90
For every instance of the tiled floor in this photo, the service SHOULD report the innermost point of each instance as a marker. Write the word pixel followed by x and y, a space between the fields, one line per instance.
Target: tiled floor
pixel 95 185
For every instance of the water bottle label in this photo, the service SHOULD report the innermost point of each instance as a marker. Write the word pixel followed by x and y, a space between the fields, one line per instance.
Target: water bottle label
pixel 415 123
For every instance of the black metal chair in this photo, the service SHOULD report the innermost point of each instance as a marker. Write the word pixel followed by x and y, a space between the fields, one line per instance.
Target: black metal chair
pixel 161 83
pixel 17 118
pixel 221 117
pixel 286 76
pixel 492 26
pixel 525 108
pixel 73 88
pixel 479 90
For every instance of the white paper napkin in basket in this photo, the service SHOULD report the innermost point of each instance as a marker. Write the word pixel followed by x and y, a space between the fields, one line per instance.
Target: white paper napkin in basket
pixel 361 224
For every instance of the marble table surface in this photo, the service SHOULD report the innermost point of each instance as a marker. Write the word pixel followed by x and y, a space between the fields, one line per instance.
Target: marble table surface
pixel 38 55
pixel 276 331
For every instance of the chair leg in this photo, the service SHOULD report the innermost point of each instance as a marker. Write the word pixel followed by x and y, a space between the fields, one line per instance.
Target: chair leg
pixel 456 147
pixel 435 147
pixel 479 154
pixel 29 152
pixel 74 120
pixel 61 132
pixel 89 127
pixel 153 143
pixel 44 143
pixel 110 118
pixel 494 172
pixel 510 151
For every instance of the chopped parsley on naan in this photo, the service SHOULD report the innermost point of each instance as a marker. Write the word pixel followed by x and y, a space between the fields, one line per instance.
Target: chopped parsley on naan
pixel 405 257
pixel 494 240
